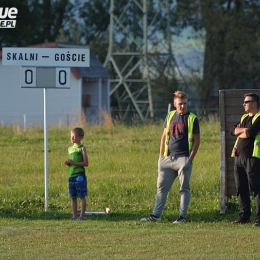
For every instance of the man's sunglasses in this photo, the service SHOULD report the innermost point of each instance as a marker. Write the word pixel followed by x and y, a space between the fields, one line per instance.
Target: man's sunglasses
pixel 248 101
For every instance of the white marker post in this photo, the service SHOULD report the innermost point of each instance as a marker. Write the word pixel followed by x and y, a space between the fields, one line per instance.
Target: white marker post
pixel 36 72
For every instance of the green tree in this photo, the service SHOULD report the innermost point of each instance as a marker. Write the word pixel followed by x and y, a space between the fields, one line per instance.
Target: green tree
pixel 37 21
pixel 89 21
pixel 232 57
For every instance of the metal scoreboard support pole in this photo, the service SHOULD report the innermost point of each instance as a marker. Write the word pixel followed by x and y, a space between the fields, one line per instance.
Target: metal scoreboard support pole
pixel 36 72
pixel 46 161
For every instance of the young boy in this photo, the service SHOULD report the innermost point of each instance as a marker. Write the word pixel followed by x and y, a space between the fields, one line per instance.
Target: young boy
pixel 78 160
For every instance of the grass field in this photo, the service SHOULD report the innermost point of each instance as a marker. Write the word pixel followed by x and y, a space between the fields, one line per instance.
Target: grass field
pixel 122 175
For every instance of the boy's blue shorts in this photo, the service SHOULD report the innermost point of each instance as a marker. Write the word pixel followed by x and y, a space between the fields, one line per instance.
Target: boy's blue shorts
pixel 78 186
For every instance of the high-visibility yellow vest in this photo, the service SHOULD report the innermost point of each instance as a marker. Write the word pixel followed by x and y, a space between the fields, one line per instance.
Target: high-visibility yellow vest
pixel 191 119
pixel 256 150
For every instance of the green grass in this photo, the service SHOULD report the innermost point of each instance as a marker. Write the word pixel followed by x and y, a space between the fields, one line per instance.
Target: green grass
pixel 122 176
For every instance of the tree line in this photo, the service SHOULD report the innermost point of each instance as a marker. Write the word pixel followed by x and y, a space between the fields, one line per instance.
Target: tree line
pixel 228 29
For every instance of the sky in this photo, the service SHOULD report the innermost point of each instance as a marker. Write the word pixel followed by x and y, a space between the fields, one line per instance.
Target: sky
pixel 188 50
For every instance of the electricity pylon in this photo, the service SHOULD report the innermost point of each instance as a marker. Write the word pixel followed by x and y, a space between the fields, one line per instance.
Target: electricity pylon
pixel 132 44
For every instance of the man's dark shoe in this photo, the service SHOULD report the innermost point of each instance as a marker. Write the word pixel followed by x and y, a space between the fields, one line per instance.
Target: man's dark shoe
pixel 241 221
pixel 180 220
pixel 257 223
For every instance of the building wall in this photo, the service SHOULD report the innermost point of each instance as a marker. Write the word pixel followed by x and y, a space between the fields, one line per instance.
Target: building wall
pixel 97 92
pixel 26 106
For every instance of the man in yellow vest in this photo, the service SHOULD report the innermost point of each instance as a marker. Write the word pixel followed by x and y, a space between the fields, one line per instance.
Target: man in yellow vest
pixel 179 144
pixel 247 159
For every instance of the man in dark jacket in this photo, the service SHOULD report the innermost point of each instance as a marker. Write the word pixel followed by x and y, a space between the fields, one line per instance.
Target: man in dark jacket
pixel 247 159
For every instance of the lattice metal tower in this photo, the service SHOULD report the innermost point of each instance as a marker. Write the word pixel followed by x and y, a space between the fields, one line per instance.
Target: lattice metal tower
pixel 133 42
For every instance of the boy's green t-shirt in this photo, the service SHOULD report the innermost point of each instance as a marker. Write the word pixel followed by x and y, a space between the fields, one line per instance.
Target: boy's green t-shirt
pixel 75 154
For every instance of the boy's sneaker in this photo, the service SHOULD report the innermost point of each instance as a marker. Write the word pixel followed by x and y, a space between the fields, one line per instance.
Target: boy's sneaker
pixel 80 218
pixel 180 220
pixel 151 218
